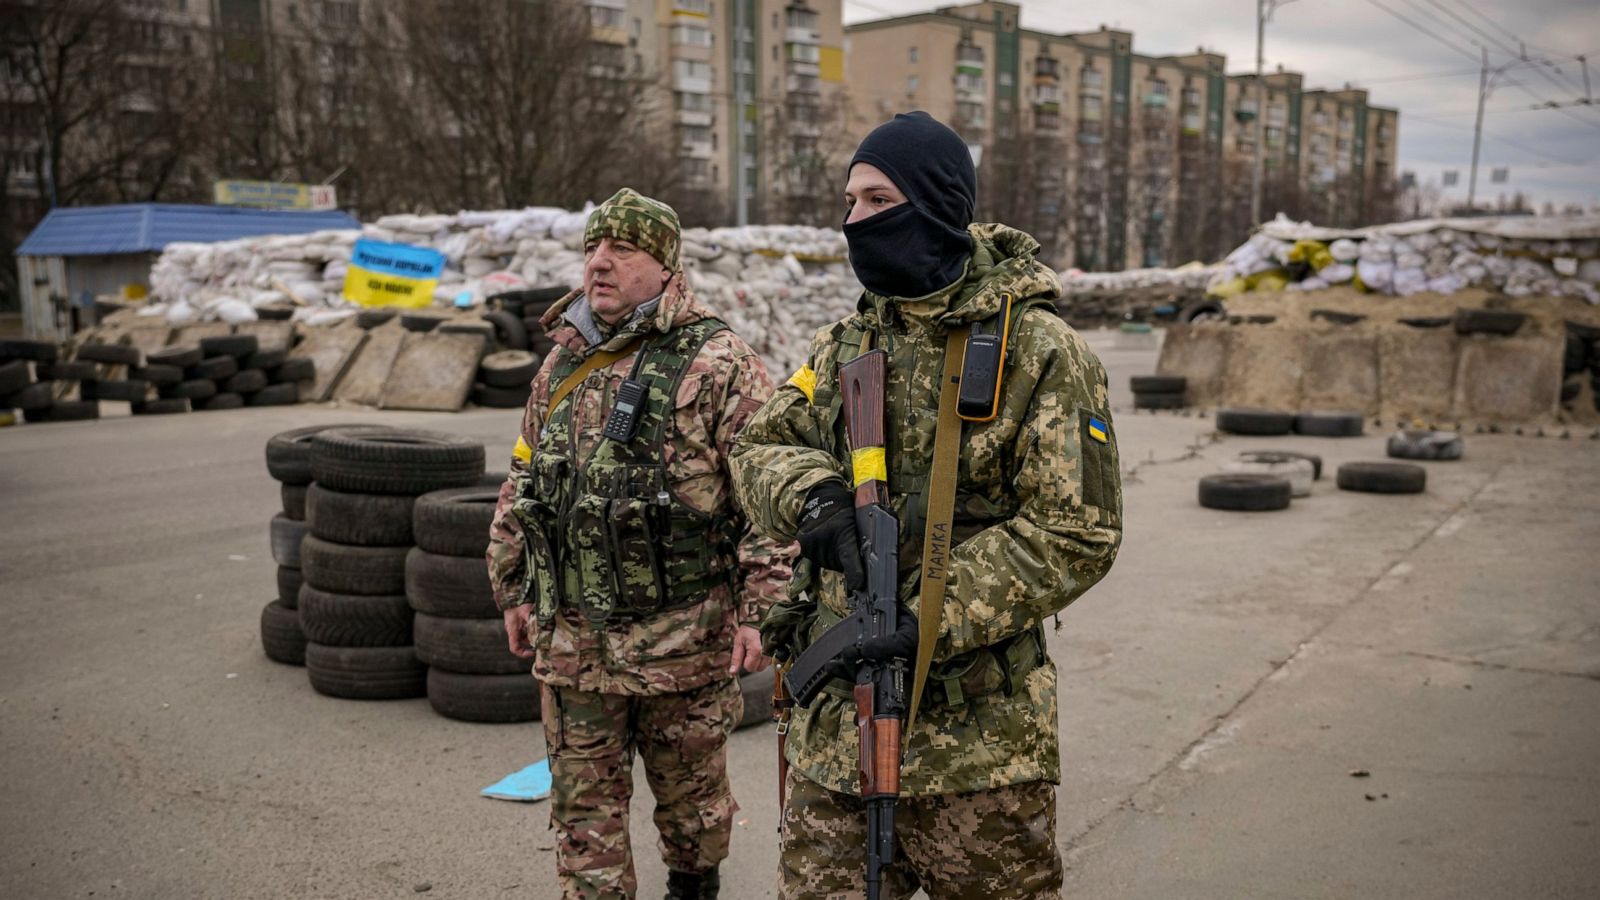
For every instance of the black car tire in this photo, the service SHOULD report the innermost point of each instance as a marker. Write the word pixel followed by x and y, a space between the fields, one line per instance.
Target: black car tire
pixel 281 637
pixel 64 411
pixel 348 569
pixel 455 522
pixel 286 536
pixel 1382 478
pixel 1285 455
pixel 220 401
pixel 214 368
pixel 289 452
pixel 294 500
pixel 1436 446
pixel 237 346
pixel 508 369
pixel 33 351
pixel 183 356
pixel 1240 492
pixel 1254 421
pixel 1158 384
pixel 275 395
pixel 289 581
pixel 452 586
pixel 366 673
pixel 1330 424
pixel 468 646
pixel 354 620
pixel 364 520
pixel 245 381
pixel 494 699
pixel 395 461
pixel 113 354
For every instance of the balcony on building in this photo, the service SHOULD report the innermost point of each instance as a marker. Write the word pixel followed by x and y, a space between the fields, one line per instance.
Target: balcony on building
pixel 691 76
pixel 693 109
pixel 692 8
pixel 803 24
pixel 608 20
pixel 1047 67
pixel 969 56
pixel 1047 118
pixel 1091 80
pixel 801 83
pixel 804 59
pixel 970 87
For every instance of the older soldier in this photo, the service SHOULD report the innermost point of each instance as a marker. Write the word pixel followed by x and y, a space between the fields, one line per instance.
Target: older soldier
pixel 621 562
pixel 1034 522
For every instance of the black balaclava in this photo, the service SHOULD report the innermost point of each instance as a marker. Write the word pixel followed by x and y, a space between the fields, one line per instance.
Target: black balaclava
pixel 922 245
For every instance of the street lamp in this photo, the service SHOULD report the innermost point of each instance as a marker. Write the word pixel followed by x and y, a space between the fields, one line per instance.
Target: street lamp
pixel 1264 11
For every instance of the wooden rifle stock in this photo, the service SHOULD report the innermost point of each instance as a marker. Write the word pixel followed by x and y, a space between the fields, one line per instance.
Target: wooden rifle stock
pixel 880 684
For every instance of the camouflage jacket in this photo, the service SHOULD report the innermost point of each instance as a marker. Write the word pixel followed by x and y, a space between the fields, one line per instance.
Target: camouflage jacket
pixel 1038 520
pixel 676 649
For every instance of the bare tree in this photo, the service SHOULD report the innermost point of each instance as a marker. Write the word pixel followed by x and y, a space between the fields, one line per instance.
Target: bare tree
pixel 808 143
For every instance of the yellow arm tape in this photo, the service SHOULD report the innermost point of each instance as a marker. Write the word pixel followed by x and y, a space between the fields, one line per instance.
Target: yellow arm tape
pixel 869 464
pixel 806 381
pixel 522 451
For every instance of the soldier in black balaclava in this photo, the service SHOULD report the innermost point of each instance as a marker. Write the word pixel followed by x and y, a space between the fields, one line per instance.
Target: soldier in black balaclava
pixel 1033 520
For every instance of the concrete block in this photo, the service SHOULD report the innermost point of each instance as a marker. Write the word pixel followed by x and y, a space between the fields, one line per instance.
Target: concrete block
pixel 433 371
pixel 1200 354
pixel 1515 379
pixel 330 350
pixel 1341 371
pixel 190 335
pixel 1265 367
pixel 363 381
pixel 269 335
pixel 1417 372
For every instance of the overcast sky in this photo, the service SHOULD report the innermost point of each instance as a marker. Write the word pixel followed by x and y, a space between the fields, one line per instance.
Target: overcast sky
pixel 1552 154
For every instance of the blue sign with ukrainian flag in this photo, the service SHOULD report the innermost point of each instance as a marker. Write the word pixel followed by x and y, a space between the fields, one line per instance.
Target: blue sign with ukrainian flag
pixel 383 274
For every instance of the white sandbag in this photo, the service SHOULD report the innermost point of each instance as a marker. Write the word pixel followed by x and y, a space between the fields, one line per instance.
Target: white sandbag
pixel 1377 276
pixel 1338 273
pixel 1345 250
pixel 1408 281
pixel 233 311
pixel 1448 283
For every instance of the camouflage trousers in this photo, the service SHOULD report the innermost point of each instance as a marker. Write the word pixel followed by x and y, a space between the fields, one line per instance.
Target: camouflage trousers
pixel 682 738
pixel 997 844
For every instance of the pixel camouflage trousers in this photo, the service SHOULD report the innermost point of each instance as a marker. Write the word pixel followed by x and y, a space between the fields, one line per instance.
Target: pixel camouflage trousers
pixel 682 738
pixel 997 844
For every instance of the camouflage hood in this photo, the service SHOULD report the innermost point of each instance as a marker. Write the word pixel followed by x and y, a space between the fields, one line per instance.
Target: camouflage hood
pixel 1003 261
pixel 676 308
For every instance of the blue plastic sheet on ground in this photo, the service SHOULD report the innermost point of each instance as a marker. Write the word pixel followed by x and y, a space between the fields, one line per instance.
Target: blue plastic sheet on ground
pixel 526 786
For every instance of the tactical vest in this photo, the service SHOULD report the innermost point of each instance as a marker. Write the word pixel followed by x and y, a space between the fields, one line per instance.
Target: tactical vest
pixel 608 535
pixel 976 673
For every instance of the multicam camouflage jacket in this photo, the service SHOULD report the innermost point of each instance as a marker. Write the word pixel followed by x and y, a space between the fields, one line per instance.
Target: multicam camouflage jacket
pixel 593 630
pixel 1038 519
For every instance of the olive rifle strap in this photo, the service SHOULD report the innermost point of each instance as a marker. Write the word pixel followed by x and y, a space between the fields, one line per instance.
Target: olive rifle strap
pixel 597 361
pixel 936 538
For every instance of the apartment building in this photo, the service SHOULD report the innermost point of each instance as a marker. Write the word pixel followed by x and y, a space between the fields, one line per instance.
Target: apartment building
pixel 1112 158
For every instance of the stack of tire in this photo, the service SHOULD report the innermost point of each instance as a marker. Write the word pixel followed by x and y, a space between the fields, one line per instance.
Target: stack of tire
pixel 228 372
pixel 506 376
pixel 1158 391
pixel 29 373
pixel 359 510
pixel 1266 422
pixel 289 462
pixel 460 633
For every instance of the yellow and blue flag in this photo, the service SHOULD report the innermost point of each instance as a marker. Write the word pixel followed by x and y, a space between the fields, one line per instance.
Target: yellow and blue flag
pixel 1097 430
pixel 384 274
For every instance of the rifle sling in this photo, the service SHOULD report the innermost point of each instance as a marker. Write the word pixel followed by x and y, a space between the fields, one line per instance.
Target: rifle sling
pixel 936 537
pixel 597 361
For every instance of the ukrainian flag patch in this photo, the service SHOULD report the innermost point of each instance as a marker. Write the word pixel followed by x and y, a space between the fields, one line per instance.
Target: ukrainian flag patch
pixel 1097 429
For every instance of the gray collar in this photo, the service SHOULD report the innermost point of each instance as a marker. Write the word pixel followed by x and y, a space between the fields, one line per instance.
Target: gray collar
pixel 581 317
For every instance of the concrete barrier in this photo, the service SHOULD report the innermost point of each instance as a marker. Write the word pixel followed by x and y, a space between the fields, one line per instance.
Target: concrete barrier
pixel 1265 367
pixel 1416 373
pixel 1200 354
pixel 1514 379
pixel 1341 371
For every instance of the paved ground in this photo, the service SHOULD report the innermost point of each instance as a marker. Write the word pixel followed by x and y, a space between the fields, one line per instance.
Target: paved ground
pixel 1219 689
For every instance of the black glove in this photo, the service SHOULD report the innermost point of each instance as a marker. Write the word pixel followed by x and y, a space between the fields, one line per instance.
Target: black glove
pixel 902 644
pixel 827 532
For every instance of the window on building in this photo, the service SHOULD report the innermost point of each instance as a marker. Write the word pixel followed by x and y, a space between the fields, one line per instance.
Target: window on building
pixel 1004 79
pixel 1091 79
pixel 967 82
pixel 1091 108
pixel 605 17
pixel 805 53
pixel 694 134
pixel 687 102
pixel 691 36
pixel 801 18
pixel 691 69
pixel 912 54
pixel 912 83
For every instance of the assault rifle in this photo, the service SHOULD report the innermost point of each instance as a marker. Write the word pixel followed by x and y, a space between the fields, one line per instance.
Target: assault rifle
pixel 880 686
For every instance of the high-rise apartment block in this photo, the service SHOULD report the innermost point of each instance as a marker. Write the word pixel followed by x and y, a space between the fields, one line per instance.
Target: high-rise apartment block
pixel 1116 159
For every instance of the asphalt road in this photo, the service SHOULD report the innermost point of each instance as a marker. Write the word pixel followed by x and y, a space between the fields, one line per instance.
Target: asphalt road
pixel 1219 690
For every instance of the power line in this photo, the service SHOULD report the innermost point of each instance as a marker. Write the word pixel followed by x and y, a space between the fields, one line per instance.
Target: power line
pixel 1474 57
pixel 1500 140
pixel 1518 52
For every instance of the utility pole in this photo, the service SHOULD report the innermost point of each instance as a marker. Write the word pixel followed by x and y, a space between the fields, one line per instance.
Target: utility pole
pixel 1477 130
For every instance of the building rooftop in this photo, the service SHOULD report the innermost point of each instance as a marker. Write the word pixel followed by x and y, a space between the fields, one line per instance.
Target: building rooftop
pixel 149 227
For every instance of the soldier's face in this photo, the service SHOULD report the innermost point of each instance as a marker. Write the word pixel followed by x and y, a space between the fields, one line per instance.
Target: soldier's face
pixel 618 276
pixel 869 192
